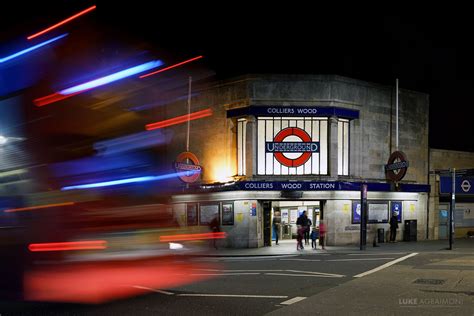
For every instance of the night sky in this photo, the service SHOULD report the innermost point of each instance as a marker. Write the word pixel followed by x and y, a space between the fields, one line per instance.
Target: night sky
pixel 428 51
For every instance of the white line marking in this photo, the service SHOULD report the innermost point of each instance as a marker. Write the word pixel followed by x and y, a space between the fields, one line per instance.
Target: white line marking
pixel 318 273
pixel 300 260
pixel 224 274
pixel 153 290
pixel 216 270
pixel 303 275
pixel 359 259
pixel 233 295
pixel 383 266
pixel 376 254
pixel 293 300
pixel 255 257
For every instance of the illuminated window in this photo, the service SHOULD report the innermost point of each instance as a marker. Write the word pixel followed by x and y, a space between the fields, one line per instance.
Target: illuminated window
pixel 292 146
pixel 241 141
pixel 343 147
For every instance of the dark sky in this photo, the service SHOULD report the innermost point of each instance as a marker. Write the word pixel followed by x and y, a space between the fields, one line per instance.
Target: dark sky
pixel 429 51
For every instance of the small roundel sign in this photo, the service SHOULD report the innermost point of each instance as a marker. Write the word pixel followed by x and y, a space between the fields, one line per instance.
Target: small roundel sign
pixel 397 166
pixel 292 147
pixel 187 166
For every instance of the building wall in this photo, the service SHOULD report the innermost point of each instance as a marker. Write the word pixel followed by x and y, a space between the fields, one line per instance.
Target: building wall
pixel 441 159
pixel 372 137
pixel 341 231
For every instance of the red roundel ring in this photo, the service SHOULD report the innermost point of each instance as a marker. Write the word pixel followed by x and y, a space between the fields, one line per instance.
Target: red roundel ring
pixel 400 155
pixel 290 131
pixel 182 157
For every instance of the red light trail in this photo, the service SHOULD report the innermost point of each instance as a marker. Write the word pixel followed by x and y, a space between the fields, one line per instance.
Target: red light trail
pixel 61 23
pixel 170 67
pixel 37 207
pixel 185 237
pixel 69 245
pixel 179 119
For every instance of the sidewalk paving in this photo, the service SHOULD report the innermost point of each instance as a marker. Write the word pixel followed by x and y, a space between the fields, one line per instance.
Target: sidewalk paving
pixel 288 247
pixel 396 290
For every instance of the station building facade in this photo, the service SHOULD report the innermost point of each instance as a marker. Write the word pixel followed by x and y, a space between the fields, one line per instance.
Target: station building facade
pixel 276 145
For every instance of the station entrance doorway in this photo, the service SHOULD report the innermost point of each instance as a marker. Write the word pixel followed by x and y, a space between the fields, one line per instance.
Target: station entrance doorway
pixel 280 218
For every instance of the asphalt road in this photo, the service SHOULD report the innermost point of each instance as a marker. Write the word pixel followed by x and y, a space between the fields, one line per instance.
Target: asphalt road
pixel 237 286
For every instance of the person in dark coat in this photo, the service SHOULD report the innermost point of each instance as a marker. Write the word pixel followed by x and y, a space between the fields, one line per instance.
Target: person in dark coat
pixel 393 227
pixel 214 227
pixel 301 224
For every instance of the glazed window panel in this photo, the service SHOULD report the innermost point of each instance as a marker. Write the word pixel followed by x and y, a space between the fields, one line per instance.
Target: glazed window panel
pixel 292 146
pixel 343 147
pixel 241 141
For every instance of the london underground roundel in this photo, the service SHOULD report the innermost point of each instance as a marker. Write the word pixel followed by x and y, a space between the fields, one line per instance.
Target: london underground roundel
pixel 397 166
pixel 187 165
pixel 292 147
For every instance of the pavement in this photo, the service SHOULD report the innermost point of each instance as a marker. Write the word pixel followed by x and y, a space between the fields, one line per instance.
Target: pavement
pixel 432 280
pixel 288 247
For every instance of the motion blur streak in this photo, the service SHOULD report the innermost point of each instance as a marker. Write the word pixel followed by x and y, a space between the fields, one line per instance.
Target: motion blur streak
pixel 127 181
pixel 71 245
pixel 98 283
pixel 170 67
pixel 55 97
pixel 184 237
pixel 37 207
pixel 62 22
pixel 131 142
pixel 179 119
pixel 32 48
pixel 113 77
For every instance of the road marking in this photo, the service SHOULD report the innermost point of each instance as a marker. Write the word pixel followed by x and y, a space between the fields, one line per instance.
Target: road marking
pixel 216 270
pixel 235 295
pixel 302 275
pixel 386 265
pixel 153 290
pixel 224 274
pixel 269 272
pixel 376 254
pixel 360 259
pixel 293 300
pixel 318 273
pixel 300 259
pixel 255 257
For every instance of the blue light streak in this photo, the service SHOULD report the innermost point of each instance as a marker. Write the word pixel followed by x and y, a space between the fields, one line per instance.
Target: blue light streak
pixel 113 77
pixel 27 50
pixel 127 181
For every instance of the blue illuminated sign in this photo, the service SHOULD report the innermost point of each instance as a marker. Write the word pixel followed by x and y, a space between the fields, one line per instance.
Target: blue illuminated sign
pixel 322 186
pixel 304 111
pixel 463 185
pixel 356 210
pixel 396 208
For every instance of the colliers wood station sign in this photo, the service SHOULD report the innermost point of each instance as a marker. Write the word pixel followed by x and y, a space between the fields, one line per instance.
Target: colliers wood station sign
pixel 396 167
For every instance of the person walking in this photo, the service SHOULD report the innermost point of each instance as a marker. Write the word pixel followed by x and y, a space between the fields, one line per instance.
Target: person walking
pixel 314 236
pixel 393 227
pixel 301 224
pixel 307 232
pixel 322 234
pixel 214 227
pixel 276 229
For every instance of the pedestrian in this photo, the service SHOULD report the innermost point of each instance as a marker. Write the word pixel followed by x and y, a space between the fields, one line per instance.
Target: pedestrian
pixel 214 227
pixel 322 234
pixel 393 227
pixel 276 229
pixel 314 236
pixel 307 232
pixel 301 225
